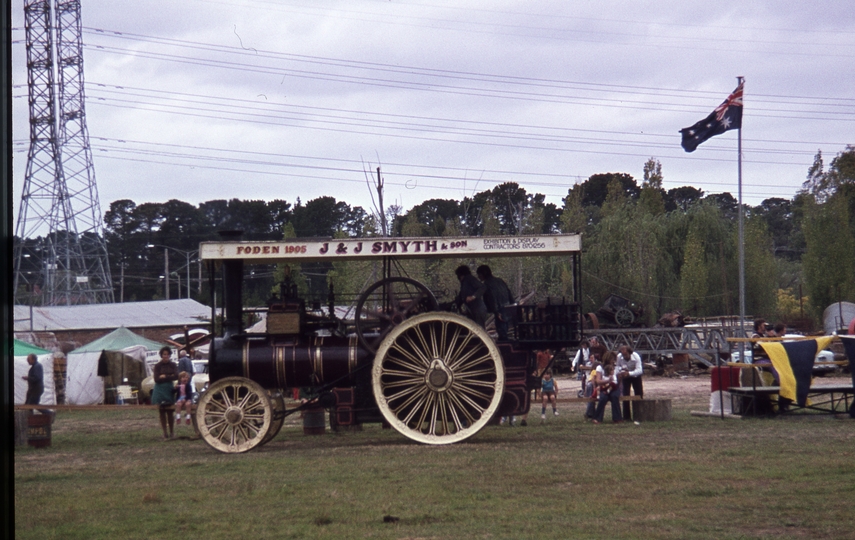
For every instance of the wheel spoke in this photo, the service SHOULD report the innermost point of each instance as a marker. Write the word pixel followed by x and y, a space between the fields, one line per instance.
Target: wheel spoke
pixel 472 362
pixel 467 392
pixel 474 373
pixel 419 355
pixel 416 406
pixel 431 427
pixel 227 402
pixel 450 344
pixel 246 399
pixel 443 410
pixel 405 392
pixel 460 406
pixel 477 407
pixel 420 393
pixel 406 382
pixel 462 354
pixel 217 425
pixel 411 371
pixel 217 405
pixel 469 384
pixel 425 410
pixel 452 409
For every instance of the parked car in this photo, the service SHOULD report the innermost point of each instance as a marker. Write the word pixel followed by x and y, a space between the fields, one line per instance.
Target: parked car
pixel 200 381
pixel 823 364
pixel 200 376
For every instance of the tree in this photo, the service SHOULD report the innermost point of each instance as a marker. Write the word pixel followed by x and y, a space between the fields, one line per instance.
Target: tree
pixel 761 281
pixel 782 226
pixel 829 259
pixel 719 253
pixel 181 225
pixel 627 254
pixel 323 216
pixel 694 276
pixel 574 218
pixel 727 203
pixel 651 199
pixel 596 187
pixel 433 215
pixel 682 198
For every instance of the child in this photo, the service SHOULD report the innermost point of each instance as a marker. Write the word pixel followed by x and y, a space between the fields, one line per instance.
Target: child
pixel 549 391
pixel 608 391
pixel 184 397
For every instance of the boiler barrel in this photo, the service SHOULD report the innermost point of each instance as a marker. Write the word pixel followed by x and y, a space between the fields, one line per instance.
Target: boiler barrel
pixel 287 363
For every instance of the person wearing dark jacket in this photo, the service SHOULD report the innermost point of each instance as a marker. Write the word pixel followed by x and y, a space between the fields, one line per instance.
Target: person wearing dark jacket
pixel 471 295
pixel 35 380
pixel 165 373
pixel 497 295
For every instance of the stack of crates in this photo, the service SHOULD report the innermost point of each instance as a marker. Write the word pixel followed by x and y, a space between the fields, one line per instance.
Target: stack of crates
pixel 557 322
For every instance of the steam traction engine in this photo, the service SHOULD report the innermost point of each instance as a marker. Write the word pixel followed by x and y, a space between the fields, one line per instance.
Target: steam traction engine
pixel 434 376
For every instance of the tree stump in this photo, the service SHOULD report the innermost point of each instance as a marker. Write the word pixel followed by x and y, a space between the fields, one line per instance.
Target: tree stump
pixel 652 410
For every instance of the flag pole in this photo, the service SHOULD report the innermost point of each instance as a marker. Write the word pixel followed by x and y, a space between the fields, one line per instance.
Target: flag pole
pixel 741 237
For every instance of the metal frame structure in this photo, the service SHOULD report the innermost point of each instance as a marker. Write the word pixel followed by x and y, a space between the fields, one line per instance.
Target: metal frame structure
pixel 60 245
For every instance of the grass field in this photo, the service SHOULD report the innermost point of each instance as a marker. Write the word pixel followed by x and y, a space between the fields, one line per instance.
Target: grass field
pixel 109 475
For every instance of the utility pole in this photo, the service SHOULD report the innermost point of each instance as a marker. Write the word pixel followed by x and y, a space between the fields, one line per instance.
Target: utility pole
pixel 59 202
pixel 382 210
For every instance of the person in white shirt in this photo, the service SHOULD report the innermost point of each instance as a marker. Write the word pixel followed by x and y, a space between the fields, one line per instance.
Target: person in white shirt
pixel 629 362
pixel 582 359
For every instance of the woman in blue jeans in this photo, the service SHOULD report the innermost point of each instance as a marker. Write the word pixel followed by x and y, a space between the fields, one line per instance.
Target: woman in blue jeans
pixel 609 391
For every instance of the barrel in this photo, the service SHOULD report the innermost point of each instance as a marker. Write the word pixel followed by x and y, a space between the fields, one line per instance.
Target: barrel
pixel 38 430
pixel 314 421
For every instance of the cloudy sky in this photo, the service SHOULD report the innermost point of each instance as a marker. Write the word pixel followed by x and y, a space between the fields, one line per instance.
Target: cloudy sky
pixel 215 99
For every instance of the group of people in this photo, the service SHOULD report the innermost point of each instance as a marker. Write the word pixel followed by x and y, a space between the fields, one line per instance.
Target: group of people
pixel 762 329
pixel 484 295
pixel 606 376
pixel 171 397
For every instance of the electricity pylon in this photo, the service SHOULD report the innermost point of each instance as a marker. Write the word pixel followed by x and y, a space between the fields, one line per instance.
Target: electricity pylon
pixel 60 254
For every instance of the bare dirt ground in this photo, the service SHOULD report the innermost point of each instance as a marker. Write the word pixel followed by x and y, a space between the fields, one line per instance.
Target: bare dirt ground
pixel 685 391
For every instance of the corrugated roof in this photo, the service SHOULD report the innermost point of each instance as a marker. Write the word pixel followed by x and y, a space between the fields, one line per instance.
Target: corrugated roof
pixel 103 316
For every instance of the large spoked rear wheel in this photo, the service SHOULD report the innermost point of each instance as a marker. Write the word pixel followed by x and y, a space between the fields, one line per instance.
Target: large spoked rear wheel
pixel 438 378
pixel 234 415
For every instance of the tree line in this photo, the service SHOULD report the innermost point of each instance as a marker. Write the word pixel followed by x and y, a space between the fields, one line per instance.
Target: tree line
pixel 663 249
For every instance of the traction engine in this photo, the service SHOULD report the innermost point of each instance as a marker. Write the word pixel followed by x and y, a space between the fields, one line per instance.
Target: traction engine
pixel 434 376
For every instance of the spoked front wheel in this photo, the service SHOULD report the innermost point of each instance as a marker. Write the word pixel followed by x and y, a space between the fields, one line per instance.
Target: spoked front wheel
pixel 234 415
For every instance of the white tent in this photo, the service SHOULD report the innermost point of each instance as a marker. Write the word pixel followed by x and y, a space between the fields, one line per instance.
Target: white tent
pixel 83 385
pixel 45 358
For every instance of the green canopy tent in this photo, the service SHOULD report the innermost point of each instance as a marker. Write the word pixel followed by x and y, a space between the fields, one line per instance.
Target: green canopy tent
pixel 121 354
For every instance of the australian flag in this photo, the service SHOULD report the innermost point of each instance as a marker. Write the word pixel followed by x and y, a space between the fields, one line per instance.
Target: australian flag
pixel 725 117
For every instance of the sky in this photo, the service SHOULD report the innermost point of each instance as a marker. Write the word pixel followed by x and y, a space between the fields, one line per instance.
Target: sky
pixel 284 99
